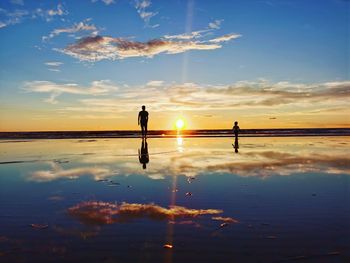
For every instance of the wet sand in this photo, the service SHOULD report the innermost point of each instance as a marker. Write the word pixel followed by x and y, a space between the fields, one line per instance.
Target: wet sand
pixel 175 200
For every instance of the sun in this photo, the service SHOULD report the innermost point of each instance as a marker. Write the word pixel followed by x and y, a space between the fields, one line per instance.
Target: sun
pixel 180 124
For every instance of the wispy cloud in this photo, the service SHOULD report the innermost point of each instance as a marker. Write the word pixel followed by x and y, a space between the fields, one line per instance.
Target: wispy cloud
pixel 54 70
pixel 224 38
pixel 54 65
pixel 82 26
pixel 142 7
pixel 49 14
pixel 187 36
pixel 199 33
pixel 215 24
pixel 12 18
pixel 191 96
pixel 260 98
pixel 17 2
pixel 106 2
pixel 18 16
pixel 155 83
pixel 101 87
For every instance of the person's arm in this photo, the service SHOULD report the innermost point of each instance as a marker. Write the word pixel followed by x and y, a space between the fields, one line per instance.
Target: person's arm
pixel 138 119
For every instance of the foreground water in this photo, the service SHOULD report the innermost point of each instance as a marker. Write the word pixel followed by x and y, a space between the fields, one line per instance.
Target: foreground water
pixel 175 200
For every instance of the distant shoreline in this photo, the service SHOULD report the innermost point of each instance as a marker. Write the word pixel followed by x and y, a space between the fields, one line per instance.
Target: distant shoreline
pixel 173 133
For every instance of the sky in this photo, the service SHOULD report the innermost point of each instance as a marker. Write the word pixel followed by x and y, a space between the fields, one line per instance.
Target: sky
pixel 92 64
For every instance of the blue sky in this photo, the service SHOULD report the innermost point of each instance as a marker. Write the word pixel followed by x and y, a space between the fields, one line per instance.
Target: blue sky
pixel 55 43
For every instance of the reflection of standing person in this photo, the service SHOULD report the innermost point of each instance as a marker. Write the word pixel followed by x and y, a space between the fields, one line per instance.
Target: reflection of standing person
pixel 143 120
pixel 236 145
pixel 236 130
pixel 143 153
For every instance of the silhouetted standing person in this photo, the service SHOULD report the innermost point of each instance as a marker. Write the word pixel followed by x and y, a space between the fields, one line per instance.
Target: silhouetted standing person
pixel 236 129
pixel 143 120
pixel 143 153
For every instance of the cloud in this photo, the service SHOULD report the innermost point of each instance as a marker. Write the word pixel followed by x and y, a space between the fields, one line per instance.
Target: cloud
pixel 49 14
pixel 53 66
pixel 199 33
pixel 12 18
pixel 97 48
pixel 240 95
pixel 316 100
pixel 266 94
pixel 257 94
pixel 225 38
pixel 59 11
pixel 95 212
pixel 18 16
pixel 77 27
pixel 101 87
pixel 155 83
pixel 187 36
pixel 17 2
pixel 53 63
pixel 54 69
pixel 107 2
pixel 215 24
pixel 146 15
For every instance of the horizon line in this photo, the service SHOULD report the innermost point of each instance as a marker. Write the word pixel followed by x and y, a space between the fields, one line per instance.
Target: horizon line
pixel 174 130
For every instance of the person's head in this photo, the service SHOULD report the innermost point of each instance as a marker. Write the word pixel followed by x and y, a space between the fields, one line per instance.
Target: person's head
pixel 144 166
pixel 143 107
pixel 236 122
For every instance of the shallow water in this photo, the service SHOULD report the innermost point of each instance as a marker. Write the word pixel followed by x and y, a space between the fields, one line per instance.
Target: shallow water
pixel 274 200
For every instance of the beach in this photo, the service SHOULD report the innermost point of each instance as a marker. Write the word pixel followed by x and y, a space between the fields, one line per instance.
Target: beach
pixel 178 199
pixel 174 131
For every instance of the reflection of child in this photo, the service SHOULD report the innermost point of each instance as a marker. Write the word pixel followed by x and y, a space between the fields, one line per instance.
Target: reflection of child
pixel 236 129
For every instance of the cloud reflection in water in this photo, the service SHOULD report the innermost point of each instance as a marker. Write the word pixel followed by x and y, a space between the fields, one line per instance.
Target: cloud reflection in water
pixel 57 173
pixel 95 212
pixel 204 156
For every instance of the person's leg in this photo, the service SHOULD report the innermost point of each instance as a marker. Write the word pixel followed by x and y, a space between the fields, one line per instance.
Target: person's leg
pixel 142 129
pixel 145 129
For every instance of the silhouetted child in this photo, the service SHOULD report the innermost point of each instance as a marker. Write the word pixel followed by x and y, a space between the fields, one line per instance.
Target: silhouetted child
pixel 236 129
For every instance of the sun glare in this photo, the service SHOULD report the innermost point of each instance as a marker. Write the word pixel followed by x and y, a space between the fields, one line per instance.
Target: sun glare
pixel 180 124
